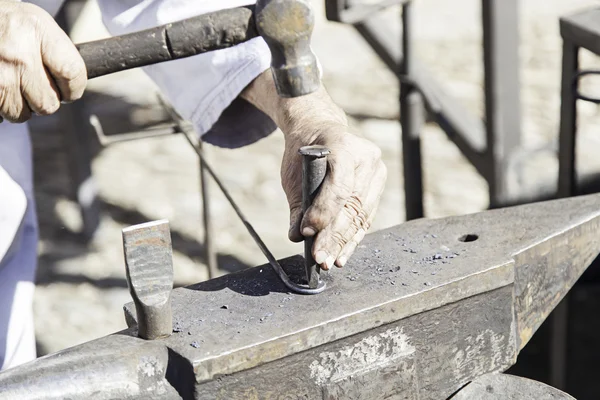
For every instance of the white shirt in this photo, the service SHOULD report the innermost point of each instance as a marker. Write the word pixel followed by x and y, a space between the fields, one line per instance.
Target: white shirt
pixel 204 89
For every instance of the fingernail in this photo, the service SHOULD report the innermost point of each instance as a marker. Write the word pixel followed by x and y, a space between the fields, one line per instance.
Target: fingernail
pixel 329 262
pixel 308 231
pixel 342 261
pixel 320 257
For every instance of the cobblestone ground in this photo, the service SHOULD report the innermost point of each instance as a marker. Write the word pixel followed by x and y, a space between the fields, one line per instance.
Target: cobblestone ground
pixel 81 287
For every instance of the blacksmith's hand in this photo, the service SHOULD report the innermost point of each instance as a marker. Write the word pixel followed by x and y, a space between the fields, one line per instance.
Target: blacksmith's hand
pixel 39 65
pixel 344 209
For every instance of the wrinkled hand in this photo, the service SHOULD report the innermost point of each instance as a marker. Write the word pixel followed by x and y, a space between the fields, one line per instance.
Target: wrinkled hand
pixel 39 65
pixel 345 206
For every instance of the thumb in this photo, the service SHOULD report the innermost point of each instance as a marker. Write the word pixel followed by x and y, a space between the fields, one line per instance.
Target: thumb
pixel 295 220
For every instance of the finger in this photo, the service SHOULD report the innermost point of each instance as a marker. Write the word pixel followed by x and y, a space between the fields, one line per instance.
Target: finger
pixel 333 194
pixel 63 61
pixel 15 108
pixel 354 217
pixel 351 246
pixel 295 220
pixel 39 90
pixel 329 241
pixel 292 186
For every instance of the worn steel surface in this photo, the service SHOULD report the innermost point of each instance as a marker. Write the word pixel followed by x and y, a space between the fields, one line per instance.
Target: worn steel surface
pixel 420 310
pixel 509 387
pixel 149 270
pixel 314 169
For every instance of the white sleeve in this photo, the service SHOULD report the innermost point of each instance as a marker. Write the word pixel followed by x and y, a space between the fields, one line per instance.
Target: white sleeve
pixel 204 89
pixel 51 6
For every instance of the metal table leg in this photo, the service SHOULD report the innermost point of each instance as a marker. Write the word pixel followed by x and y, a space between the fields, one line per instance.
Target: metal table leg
pixel 567 186
pixel 411 119
pixel 568 122
pixel 502 98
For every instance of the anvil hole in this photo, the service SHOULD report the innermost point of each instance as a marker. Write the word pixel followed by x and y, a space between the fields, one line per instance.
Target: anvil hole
pixel 471 237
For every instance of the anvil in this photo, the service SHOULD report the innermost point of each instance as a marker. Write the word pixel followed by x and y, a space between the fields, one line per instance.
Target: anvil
pixel 420 310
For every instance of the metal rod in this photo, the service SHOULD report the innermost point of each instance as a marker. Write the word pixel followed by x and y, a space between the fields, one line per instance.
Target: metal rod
pixel 411 120
pixel 567 176
pixel 263 247
pixel 129 136
pixel 209 248
pixel 567 186
pixel 314 169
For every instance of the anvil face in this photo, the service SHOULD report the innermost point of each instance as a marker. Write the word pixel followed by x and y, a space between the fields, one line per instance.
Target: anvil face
pixel 467 292
pixel 419 310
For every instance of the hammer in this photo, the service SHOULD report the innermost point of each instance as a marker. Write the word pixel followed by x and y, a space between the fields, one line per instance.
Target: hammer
pixel 285 25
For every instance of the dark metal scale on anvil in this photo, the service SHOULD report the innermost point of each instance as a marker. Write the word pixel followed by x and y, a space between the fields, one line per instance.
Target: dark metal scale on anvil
pixel 419 311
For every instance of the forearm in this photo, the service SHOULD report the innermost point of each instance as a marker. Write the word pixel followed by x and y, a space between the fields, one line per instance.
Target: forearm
pixel 304 116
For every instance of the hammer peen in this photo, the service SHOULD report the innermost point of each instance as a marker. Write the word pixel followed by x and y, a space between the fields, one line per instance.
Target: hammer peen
pixel 285 25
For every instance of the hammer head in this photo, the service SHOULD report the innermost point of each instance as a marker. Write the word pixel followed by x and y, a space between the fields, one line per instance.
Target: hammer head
pixel 286 26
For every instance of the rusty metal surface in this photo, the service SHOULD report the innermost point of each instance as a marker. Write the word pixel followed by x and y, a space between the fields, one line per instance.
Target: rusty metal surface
pixel 149 270
pixel 509 387
pixel 419 311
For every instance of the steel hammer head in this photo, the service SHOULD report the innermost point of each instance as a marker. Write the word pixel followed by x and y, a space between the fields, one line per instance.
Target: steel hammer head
pixel 286 26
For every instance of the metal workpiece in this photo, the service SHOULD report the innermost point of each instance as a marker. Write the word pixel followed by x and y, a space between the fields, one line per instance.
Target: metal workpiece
pixel 412 111
pixel 149 270
pixel 420 310
pixel 505 387
pixel 287 26
pixel 314 169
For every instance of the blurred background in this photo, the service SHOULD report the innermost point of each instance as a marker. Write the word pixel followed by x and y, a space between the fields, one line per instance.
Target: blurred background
pixel 81 285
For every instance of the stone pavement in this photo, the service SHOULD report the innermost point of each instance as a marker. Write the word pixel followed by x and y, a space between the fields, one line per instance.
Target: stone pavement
pixel 81 287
